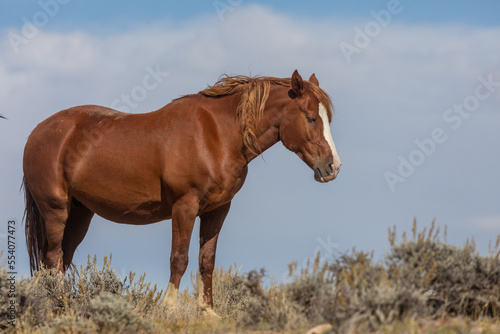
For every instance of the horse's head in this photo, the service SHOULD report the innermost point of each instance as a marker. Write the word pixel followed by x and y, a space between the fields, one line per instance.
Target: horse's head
pixel 305 128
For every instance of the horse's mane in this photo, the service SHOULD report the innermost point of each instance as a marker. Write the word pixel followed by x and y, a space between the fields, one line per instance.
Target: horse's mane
pixel 255 92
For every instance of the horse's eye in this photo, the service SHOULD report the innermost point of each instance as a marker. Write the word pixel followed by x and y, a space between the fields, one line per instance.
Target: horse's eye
pixel 311 119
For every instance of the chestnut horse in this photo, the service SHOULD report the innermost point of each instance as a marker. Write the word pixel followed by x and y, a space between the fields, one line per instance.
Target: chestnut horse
pixel 184 160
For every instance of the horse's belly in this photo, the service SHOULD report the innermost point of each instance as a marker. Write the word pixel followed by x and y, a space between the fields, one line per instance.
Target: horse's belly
pixel 128 212
pixel 129 200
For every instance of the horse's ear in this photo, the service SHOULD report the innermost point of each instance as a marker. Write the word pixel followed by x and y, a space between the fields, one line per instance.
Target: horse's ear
pixel 297 83
pixel 314 80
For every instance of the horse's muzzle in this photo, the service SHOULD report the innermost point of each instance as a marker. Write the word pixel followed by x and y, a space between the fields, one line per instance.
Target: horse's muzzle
pixel 326 172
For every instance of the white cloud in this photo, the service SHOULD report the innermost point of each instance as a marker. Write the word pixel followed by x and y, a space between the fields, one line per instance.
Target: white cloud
pixel 489 224
pixel 401 62
pixel 72 52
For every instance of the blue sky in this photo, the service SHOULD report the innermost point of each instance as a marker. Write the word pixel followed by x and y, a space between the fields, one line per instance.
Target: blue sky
pixel 85 14
pixel 416 125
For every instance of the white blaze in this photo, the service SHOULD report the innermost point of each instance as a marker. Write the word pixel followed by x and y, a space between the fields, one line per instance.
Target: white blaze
pixel 327 134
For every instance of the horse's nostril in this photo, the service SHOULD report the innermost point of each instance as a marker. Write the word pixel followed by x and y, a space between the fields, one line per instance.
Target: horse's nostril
pixel 330 168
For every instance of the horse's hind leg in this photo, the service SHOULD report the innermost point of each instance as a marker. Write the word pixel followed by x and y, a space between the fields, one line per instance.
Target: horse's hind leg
pixel 210 226
pixel 77 226
pixel 55 214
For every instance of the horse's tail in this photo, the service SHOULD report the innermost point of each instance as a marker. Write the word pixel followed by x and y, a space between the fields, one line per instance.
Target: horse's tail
pixel 34 229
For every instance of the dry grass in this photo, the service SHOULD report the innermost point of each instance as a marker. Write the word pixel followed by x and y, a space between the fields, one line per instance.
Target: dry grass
pixel 423 285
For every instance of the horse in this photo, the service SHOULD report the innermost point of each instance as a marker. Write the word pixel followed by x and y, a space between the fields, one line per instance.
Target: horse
pixel 186 159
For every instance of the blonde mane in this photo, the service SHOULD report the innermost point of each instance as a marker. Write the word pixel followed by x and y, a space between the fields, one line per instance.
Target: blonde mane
pixel 255 92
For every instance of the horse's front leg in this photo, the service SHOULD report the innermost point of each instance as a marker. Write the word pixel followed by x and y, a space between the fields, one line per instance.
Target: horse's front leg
pixel 210 225
pixel 184 213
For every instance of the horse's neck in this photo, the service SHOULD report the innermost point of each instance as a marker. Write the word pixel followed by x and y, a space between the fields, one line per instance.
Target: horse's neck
pixel 267 131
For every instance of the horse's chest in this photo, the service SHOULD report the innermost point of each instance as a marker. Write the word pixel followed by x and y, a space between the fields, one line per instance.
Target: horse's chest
pixel 222 191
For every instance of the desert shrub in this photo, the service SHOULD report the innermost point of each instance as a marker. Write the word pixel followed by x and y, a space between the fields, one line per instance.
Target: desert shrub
pixel 53 290
pixel 419 278
pixel 69 324
pixel 90 281
pixel 58 294
pixel 53 302
pixel 365 296
pixel 29 302
pixel 305 301
pixel 422 282
pixel 257 308
pixel 140 294
pixel 458 280
pixel 312 291
pixel 113 314
pixel 242 298
pixel 229 292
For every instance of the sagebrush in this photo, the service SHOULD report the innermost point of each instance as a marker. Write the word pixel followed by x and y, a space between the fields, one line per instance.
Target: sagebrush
pixel 422 284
